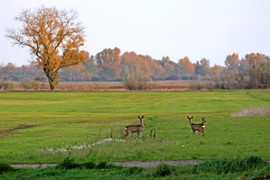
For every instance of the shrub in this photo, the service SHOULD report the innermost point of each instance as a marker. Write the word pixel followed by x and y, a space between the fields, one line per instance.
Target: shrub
pixel 28 83
pixel 68 164
pixel 6 167
pixel 89 165
pixel 102 165
pixel 161 170
pixel 6 84
pixel 137 81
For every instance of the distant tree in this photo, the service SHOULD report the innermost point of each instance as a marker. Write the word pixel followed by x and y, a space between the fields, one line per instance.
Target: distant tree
pixel 131 63
pixel 9 67
pixel 254 60
pixel 90 64
pixel 75 74
pixel 201 68
pixel 232 62
pixel 108 62
pixel 186 66
pixel 53 37
pixel 168 65
pixel 243 66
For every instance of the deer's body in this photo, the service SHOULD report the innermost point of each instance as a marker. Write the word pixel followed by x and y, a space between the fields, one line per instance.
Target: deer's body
pixel 197 127
pixel 134 128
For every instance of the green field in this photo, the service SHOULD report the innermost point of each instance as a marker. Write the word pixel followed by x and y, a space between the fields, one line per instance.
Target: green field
pixel 71 123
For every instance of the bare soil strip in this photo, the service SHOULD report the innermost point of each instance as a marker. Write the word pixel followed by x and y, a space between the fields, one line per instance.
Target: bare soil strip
pixel 11 132
pixel 128 163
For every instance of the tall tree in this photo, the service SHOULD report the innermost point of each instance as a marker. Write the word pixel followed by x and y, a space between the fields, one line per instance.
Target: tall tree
pixel 90 64
pixel 108 62
pixel 232 62
pixel 53 37
pixel 186 66
pixel 254 60
pixel 202 67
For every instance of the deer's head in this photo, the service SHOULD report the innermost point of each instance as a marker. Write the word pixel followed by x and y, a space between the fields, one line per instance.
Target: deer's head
pixel 203 120
pixel 190 118
pixel 141 119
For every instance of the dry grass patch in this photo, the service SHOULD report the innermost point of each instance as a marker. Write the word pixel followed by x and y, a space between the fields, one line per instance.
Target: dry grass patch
pixel 259 111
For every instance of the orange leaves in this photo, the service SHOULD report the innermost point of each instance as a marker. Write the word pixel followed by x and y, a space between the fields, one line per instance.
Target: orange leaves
pixel 186 66
pixel 232 61
pixel 53 37
pixel 255 59
pixel 132 63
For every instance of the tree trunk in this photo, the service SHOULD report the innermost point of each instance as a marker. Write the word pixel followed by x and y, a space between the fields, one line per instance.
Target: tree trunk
pixel 51 86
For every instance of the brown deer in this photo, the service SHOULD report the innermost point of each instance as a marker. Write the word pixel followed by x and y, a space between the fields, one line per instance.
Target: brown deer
pixel 135 128
pixel 197 127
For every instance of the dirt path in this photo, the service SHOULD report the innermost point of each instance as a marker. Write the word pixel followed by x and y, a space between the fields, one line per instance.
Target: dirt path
pixel 131 163
pixel 128 163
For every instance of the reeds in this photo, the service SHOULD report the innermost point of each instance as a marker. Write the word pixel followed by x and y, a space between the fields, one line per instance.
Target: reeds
pixel 253 111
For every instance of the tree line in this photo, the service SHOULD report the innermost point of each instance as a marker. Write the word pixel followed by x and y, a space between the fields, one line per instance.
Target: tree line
pixel 252 71
pixel 55 38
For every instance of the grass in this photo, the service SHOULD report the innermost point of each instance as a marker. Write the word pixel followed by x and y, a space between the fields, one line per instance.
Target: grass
pixel 240 168
pixel 46 127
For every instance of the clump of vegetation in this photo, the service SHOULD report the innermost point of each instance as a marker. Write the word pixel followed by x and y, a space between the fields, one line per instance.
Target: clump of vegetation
pixel 161 170
pixel 6 84
pixel 251 163
pixel 69 163
pixel 5 168
pixel 137 81
pixel 260 111
pixel 251 167
pixel 28 83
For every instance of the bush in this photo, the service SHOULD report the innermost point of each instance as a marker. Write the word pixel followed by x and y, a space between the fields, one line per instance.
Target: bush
pixel 68 164
pixel 6 84
pixel 161 170
pixel 137 81
pixel 102 165
pixel 5 167
pixel 198 85
pixel 28 83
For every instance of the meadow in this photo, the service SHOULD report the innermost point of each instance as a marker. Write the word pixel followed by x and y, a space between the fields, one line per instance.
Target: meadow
pixel 46 127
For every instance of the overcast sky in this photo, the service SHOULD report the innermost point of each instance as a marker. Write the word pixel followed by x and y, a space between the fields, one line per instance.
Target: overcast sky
pixel 210 29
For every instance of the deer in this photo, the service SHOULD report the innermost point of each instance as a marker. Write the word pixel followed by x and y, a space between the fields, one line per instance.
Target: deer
pixel 197 127
pixel 134 128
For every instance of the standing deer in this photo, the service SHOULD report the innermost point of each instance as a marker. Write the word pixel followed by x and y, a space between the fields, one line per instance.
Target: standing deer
pixel 135 128
pixel 197 127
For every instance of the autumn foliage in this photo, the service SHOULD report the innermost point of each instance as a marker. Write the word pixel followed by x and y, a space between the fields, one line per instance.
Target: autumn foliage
pixel 53 37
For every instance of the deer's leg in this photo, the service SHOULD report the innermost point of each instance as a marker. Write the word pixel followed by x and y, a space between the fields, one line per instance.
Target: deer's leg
pixel 203 132
pixel 127 133
pixel 138 133
pixel 194 132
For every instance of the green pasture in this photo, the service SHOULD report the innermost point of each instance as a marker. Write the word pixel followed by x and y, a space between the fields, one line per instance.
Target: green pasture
pixel 75 123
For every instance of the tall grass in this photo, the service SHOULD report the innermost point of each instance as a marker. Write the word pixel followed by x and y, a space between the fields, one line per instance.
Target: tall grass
pixel 253 111
pixel 245 168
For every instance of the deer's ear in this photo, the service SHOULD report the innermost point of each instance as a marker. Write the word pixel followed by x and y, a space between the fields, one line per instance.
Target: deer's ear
pixel 187 117
pixel 142 116
pixel 139 117
pixel 191 116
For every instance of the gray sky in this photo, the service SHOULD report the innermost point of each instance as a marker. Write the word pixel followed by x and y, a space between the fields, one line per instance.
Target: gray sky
pixel 210 29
